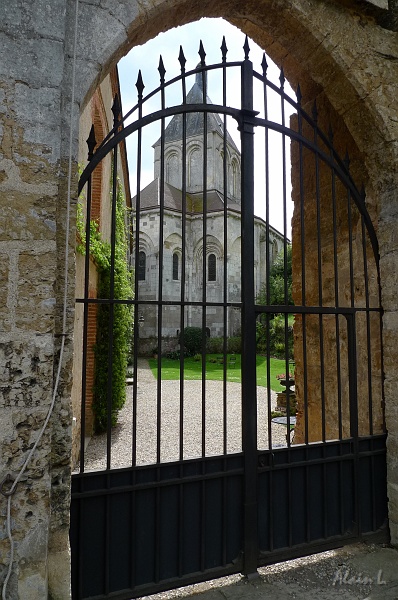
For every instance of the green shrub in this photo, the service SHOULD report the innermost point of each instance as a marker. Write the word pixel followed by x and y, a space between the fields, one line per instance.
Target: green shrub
pixel 276 337
pixel 278 349
pixel 175 355
pixel 234 345
pixel 193 337
pixel 215 345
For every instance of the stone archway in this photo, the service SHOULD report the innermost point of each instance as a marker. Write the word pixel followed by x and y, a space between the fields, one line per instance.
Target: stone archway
pixel 322 47
pixel 340 55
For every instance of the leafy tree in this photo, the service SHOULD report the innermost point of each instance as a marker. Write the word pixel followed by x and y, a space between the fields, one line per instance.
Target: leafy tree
pixel 280 293
pixel 277 278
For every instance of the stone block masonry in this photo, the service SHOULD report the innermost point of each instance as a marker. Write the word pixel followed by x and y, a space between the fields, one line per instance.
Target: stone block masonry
pixel 336 48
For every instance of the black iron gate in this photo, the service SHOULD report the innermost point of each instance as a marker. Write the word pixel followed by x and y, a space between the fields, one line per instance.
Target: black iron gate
pixel 211 485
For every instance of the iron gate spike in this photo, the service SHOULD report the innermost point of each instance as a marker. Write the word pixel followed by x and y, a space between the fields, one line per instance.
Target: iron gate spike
pixel 161 69
pixel 182 60
pixel 282 78
pixel 91 143
pixel 246 48
pixel 299 94
pixel 140 85
pixel 116 108
pixel 202 54
pixel 264 65
pixel 224 49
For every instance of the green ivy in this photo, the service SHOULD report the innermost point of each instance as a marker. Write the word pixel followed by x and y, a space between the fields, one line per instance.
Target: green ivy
pixel 100 251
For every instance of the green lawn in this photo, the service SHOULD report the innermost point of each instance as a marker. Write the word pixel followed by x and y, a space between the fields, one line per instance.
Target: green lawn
pixel 215 371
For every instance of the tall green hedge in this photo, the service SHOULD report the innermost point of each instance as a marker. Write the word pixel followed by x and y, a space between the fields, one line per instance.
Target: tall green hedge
pixel 110 359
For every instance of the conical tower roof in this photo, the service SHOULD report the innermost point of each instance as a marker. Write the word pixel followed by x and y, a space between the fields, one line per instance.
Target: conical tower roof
pixel 195 121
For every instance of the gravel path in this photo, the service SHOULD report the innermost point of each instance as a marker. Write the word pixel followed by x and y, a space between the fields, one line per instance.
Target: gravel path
pixel 170 426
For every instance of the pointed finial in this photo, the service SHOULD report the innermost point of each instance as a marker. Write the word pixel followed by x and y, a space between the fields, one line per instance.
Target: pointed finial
pixel 264 64
pixel 315 112
pixel 116 108
pixel 182 60
pixel 161 69
pixel 299 94
pixel 91 143
pixel 282 78
pixel 224 49
pixel 246 48
pixel 140 85
pixel 202 54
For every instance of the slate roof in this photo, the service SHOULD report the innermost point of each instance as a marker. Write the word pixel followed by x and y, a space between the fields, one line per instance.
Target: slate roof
pixel 195 121
pixel 150 198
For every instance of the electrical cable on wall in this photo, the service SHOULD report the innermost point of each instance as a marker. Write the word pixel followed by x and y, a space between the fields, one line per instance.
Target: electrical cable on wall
pixel 8 494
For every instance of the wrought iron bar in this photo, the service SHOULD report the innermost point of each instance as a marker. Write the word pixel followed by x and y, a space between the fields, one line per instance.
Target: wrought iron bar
pixel 368 334
pixel 91 143
pixel 183 250
pixel 140 88
pixel 249 401
pixel 160 265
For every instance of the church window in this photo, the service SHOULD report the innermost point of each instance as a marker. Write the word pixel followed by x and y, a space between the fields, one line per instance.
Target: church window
pixel 141 266
pixel 211 267
pixel 195 168
pixel 175 266
pixel 173 175
pixel 235 178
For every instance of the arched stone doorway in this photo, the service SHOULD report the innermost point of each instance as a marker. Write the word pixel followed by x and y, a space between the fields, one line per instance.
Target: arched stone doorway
pixel 344 135
pixel 336 50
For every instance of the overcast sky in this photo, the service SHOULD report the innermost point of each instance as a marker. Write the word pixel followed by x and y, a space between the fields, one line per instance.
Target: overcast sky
pixel 210 31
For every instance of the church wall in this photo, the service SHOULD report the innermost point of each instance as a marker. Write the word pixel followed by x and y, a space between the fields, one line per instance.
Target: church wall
pixel 333 46
pixel 171 289
pixel 173 164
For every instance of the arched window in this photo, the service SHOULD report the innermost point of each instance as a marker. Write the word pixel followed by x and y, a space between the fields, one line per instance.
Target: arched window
pixel 195 168
pixel 173 174
pixel 211 268
pixel 141 266
pixel 175 266
pixel 235 178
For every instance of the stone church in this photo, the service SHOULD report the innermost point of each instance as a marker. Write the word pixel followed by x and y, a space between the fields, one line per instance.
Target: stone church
pixel 185 200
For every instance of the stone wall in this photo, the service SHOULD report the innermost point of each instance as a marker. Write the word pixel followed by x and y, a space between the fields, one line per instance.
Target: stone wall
pixel 330 227
pixel 347 50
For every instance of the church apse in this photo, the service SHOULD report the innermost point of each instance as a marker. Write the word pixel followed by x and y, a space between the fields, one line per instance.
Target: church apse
pixel 190 222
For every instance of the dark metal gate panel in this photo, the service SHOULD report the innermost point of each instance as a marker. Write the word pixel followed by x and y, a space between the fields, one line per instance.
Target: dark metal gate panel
pixel 152 527
pixel 180 515
pixel 320 497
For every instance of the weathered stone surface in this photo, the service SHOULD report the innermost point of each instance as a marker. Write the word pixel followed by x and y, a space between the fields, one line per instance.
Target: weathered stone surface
pixel 36 294
pixel 334 48
pixel 25 365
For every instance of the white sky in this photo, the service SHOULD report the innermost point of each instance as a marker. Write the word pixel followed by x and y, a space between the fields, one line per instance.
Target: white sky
pixel 210 31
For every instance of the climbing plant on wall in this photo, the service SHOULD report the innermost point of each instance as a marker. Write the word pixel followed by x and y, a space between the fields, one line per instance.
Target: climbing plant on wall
pixel 110 357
